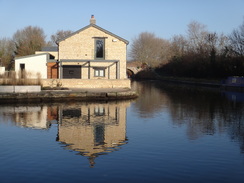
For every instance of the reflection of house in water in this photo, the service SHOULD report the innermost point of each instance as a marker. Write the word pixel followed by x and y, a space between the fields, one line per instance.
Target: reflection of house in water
pixel 37 117
pixel 93 129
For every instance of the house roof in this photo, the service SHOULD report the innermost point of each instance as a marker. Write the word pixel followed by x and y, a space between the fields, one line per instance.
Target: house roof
pixel 49 56
pixel 50 48
pixel 99 28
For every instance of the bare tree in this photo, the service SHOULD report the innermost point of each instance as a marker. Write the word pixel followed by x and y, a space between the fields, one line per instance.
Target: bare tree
pixel 215 45
pixel 178 45
pixel 196 36
pixel 217 42
pixel 166 52
pixel 147 48
pixel 6 52
pixel 237 40
pixel 60 34
pixel 29 40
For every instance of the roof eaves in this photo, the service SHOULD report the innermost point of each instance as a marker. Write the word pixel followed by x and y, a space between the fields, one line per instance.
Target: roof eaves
pixel 34 55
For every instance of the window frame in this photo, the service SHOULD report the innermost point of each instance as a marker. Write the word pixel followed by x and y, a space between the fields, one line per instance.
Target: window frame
pixel 99 111
pixel 96 50
pixel 97 71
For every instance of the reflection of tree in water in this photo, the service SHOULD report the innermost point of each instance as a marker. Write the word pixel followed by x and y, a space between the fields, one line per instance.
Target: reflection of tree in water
pixel 202 111
pixel 206 112
pixel 236 123
pixel 151 99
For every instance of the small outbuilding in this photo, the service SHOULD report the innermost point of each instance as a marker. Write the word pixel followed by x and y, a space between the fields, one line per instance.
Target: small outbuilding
pixel 33 66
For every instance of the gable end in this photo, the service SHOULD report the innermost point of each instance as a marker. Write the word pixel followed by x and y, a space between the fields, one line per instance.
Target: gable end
pixel 99 28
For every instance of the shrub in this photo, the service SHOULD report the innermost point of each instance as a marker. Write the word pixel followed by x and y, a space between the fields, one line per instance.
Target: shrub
pixel 199 67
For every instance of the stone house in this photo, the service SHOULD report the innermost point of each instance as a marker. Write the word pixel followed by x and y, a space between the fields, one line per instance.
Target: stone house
pixel 90 57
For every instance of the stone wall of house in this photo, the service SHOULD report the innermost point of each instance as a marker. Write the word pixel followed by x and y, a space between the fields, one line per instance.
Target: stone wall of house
pixel 81 46
pixel 87 83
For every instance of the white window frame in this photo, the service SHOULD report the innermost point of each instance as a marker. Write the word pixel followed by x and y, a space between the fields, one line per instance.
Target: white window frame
pixel 99 72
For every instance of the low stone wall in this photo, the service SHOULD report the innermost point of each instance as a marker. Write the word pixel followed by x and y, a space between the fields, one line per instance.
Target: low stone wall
pixel 68 95
pixel 19 89
pixel 87 83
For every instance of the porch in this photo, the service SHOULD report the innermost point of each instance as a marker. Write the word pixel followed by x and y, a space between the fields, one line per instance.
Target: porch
pixel 89 69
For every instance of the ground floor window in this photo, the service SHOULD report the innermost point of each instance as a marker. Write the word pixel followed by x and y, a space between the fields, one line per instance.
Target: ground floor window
pixel 99 72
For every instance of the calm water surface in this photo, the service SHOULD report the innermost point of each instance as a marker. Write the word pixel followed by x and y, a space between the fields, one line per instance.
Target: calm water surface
pixel 169 134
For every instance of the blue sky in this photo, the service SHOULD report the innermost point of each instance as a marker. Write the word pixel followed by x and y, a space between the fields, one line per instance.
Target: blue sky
pixel 126 18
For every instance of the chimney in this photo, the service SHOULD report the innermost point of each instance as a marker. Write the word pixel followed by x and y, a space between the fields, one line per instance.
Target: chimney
pixel 92 20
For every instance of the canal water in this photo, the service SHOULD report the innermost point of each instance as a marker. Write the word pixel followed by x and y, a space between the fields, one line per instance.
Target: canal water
pixel 169 134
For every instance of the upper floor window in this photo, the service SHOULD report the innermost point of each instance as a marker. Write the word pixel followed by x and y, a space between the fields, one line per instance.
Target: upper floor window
pixel 99 49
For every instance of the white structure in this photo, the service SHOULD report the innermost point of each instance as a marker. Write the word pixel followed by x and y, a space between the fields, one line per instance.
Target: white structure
pixel 2 70
pixel 19 88
pixel 34 65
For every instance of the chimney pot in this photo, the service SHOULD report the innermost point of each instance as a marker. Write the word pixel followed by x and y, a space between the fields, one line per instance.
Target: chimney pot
pixel 92 20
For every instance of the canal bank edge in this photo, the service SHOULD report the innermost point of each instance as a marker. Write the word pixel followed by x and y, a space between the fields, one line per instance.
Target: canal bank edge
pixel 233 83
pixel 67 95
